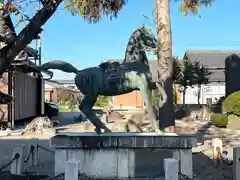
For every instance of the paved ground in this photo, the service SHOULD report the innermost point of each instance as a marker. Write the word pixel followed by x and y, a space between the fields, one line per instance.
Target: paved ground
pixel 67 118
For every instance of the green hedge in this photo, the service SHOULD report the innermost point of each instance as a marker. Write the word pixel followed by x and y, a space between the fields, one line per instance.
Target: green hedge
pixel 66 108
pixel 219 120
pixel 231 104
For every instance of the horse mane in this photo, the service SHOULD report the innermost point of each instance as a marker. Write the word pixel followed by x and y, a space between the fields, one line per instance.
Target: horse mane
pixel 133 54
pixel 131 47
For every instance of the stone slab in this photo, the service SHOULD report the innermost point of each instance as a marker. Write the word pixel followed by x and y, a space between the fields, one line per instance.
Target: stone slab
pixel 91 140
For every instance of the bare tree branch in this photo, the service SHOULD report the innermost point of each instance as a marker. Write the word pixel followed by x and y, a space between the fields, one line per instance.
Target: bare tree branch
pixel 8 53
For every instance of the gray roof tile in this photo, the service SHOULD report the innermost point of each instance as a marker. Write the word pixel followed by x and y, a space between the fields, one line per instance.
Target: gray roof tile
pixel 212 59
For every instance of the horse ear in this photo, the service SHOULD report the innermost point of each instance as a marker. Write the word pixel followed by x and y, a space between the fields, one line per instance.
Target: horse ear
pixel 142 26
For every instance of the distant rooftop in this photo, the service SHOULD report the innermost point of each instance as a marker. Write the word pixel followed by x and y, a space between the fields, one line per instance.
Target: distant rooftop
pixel 210 58
pixel 213 59
pixel 64 81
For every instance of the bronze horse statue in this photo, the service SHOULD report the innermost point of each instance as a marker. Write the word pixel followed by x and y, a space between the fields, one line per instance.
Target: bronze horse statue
pixel 111 79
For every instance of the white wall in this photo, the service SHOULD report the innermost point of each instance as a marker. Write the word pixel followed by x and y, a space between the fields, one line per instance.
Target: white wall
pixel 214 91
pixel 191 96
pixel 48 85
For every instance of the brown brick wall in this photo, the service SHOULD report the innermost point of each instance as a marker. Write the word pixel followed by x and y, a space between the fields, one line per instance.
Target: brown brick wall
pixel 51 94
pixel 131 99
pixel 48 93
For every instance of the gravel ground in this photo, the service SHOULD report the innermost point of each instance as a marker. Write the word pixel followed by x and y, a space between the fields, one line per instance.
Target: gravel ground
pixel 205 169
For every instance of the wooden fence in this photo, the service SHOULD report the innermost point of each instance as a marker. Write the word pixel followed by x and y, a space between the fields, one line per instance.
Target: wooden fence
pixel 26 90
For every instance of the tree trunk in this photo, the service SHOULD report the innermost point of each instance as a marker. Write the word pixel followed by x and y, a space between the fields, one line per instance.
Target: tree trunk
pixel 175 95
pixel 184 96
pixel 199 93
pixel 165 62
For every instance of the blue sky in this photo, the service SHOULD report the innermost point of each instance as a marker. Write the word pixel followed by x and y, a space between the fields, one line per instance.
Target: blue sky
pixel 72 39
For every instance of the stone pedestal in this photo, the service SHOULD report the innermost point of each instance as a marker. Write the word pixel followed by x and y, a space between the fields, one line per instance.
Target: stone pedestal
pixel 122 155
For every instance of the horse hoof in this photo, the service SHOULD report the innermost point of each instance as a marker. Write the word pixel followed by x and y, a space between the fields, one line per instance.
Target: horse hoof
pixel 107 131
pixel 98 131
pixel 159 132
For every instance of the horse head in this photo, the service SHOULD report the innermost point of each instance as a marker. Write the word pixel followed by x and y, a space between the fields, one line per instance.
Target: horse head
pixel 141 40
pixel 146 37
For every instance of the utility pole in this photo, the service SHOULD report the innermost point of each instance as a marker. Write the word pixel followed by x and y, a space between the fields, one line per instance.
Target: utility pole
pixel 39 42
pixel 41 80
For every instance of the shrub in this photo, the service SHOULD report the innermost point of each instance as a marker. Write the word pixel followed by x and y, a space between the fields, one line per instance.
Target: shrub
pixel 101 101
pixel 154 98
pixel 219 120
pixel 231 104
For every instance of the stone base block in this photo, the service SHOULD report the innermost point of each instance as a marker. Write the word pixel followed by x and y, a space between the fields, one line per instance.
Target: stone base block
pixel 121 155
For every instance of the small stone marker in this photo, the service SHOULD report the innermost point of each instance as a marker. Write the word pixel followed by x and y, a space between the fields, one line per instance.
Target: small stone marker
pixel 17 166
pixel 71 170
pixel 171 168
pixel 217 151
pixel 236 163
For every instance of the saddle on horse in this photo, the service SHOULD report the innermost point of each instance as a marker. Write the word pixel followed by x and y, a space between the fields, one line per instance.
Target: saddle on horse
pixel 113 69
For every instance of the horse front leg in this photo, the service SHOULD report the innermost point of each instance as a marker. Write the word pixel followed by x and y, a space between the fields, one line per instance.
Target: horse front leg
pixel 86 107
pixel 146 94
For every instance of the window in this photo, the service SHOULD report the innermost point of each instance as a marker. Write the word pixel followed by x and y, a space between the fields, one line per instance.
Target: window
pixel 207 89
pixel 209 101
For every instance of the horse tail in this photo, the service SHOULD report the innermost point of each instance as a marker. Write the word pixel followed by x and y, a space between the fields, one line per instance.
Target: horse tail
pixel 59 65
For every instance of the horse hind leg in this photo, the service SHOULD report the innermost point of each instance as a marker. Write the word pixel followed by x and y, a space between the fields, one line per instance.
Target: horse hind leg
pixel 85 106
pixel 81 116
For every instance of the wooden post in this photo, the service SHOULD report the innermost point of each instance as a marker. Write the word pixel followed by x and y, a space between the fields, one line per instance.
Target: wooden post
pixel 217 151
